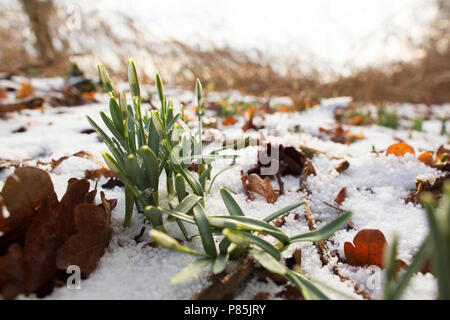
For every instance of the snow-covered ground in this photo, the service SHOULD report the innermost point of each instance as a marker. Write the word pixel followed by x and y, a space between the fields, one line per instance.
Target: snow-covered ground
pixel 376 187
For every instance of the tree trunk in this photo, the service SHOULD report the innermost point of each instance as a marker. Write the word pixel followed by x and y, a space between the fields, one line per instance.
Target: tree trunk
pixel 39 13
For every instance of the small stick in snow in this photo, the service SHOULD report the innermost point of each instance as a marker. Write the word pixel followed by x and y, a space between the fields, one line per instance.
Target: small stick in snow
pixel 224 287
pixel 349 223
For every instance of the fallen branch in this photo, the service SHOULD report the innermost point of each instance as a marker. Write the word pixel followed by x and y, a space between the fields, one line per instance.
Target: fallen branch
pixel 30 103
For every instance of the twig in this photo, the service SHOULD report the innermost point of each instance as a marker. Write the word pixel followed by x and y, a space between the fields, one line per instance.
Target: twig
pixel 224 287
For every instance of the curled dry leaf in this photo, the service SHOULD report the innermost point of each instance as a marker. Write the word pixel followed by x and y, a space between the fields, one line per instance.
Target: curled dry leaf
pixel 441 151
pixel 23 194
pixel 339 135
pixel 426 158
pixel 340 197
pixel 85 247
pixel 39 230
pixel 112 183
pixel 367 248
pixel 254 183
pixel 399 149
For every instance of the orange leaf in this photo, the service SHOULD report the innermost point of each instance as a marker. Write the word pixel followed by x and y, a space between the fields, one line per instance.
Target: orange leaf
pixel 89 95
pixel 25 90
pixel 357 120
pixel 367 248
pixel 426 157
pixel 341 196
pixel 286 109
pixel 229 120
pixel 399 149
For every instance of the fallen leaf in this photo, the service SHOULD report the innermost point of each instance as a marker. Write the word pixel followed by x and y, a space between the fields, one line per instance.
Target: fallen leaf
pixel 87 131
pixel 42 239
pixel 98 173
pixel 340 197
pixel 20 130
pixel 23 194
pixel 112 183
pixel 12 272
pixel 39 230
pixel 254 183
pixel 441 151
pixel 25 90
pixel 399 149
pixel 290 293
pixel 229 120
pixel 339 135
pixel 367 248
pixel 86 247
pixel 261 296
pixel 287 109
pixel 426 158
pixel 250 125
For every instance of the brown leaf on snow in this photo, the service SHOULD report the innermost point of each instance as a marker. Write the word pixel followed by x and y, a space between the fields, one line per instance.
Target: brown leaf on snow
pixel 426 158
pixel 112 183
pixel 98 173
pixel 261 296
pixel 250 125
pixel 441 151
pixel 339 135
pixel 42 239
pixel 254 183
pixel 44 234
pixel 85 247
pixel 23 194
pixel 12 272
pixel 340 197
pixel 399 149
pixel 290 293
pixel 367 248
pixel 291 161
pixel 25 90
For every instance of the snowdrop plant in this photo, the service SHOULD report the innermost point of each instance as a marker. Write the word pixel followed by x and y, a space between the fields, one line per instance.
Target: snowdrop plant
pixel 136 157
pixel 239 238
pixel 143 146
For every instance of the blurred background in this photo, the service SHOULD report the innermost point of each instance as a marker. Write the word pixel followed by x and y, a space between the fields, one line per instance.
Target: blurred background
pixel 379 50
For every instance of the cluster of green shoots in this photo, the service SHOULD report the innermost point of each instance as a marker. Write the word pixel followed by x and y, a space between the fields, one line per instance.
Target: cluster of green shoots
pixel 436 245
pixel 143 146
pixel 387 118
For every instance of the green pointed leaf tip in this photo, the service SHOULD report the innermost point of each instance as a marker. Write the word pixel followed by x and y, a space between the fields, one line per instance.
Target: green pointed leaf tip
pixel 198 89
pixel 235 237
pixel 160 87
pixel 133 80
pixel 104 77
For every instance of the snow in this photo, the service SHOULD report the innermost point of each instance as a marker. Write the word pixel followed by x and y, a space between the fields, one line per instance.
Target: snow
pixel 376 186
